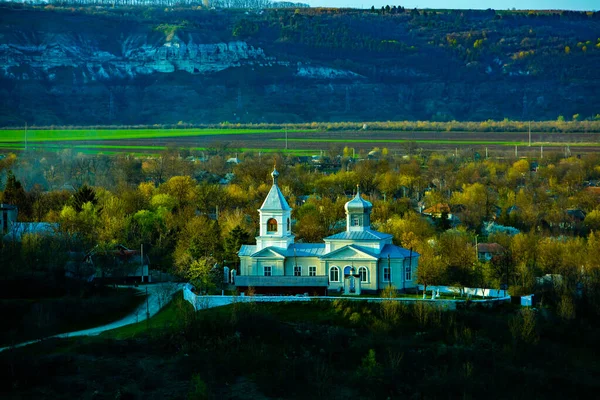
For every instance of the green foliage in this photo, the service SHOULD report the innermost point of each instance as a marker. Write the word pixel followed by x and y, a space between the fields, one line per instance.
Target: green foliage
pixel 245 28
pixel 233 242
pixel 14 194
pixel 169 30
pixel 83 195
pixel 198 389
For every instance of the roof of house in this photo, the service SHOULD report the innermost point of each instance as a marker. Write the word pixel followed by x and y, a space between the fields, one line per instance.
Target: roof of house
pixel 593 190
pixel 18 229
pixel 493 248
pixel 576 213
pixel 438 208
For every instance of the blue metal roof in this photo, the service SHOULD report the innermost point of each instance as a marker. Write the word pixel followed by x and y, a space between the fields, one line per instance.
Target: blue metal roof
pixel 275 199
pixel 367 234
pixel 247 250
pixel 305 250
pixel 318 250
pixel 397 252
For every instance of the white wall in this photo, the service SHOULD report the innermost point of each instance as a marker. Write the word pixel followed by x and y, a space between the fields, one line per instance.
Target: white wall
pixel 204 302
pixel 472 291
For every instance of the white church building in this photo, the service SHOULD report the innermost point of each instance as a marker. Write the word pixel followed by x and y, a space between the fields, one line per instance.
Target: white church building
pixel 357 260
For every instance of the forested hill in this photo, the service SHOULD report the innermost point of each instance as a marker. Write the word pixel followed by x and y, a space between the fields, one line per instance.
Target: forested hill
pixel 143 65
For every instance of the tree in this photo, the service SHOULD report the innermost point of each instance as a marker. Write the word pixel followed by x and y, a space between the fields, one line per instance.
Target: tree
pixel 233 241
pixel 83 195
pixel 458 255
pixel 431 269
pixel 204 274
pixel 183 189
pixel 592 220
pixel 15 194
pixel 200 238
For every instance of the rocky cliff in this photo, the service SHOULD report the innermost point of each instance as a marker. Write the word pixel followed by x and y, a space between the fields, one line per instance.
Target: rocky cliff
pixel 91 67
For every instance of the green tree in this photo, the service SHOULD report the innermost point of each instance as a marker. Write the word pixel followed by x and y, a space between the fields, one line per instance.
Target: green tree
pixel 205 274
pixel 458 256
pixel 14 194
pixel 233 241
pixel 85 194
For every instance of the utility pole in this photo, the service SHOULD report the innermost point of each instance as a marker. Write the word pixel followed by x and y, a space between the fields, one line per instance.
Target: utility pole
pixel 516 152
pixel 147 306
pixel 286 138
pixel 142 260
pixel 541 151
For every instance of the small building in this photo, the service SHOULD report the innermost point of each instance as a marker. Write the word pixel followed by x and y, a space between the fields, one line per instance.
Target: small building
pixel 12 230
pixel 357 260
pixel 487 251
pixel 437 210
pixel 119 264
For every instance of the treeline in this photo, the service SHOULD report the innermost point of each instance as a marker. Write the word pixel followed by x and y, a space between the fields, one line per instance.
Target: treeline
pixel 235 4
pixel 560 125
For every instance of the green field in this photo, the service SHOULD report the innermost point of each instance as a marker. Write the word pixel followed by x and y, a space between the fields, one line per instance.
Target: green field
pixel 150 142
pixel 18 135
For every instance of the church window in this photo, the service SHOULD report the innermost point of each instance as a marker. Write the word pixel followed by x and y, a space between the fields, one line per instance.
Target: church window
pixel 297 270
pixel 271 225
pixel 268 271
pixel 387 275
pixel 407 269
pixel 288 224
pixel 334 274
pixel 355 220
pixel 312 271
pixel 364 274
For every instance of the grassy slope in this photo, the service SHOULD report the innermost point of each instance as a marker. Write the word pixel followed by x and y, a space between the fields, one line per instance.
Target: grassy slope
pixel 300 350
pixel 29 319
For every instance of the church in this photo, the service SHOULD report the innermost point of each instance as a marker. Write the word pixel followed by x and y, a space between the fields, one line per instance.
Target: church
pixel 358 260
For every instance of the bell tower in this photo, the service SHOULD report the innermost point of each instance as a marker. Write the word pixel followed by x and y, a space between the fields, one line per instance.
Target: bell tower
pixel 275 219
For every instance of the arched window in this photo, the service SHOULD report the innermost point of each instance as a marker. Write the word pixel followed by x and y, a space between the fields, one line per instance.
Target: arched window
pixel 271 225
pixel 364 274
pixel 334 274
pixel 288 224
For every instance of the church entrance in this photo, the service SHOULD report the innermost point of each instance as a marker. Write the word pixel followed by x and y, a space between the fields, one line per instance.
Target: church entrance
pixel 351 281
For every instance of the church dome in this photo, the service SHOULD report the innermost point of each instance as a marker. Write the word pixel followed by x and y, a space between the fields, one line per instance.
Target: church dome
pixel 358 204
pixel 275 174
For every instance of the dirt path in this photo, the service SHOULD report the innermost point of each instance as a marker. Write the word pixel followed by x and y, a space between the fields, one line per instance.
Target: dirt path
pixel 158 296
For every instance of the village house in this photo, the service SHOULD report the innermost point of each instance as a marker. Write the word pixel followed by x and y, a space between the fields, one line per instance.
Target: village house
pixel 356 260
pixel 487 251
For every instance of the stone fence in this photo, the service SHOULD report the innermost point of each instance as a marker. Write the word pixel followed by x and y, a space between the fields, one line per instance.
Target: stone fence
pixel 204 302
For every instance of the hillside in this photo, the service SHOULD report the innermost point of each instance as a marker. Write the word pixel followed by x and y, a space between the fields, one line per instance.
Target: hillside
pixel 98 65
